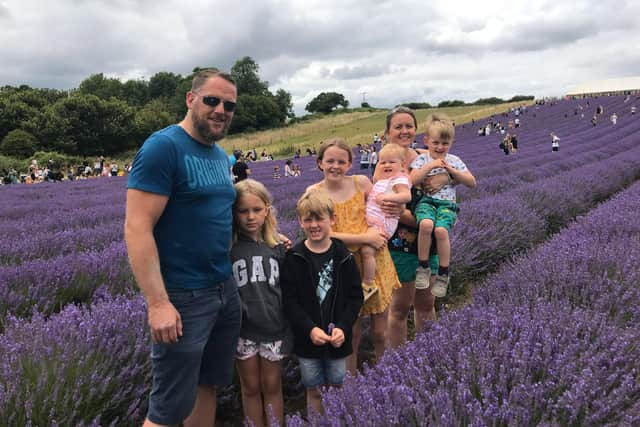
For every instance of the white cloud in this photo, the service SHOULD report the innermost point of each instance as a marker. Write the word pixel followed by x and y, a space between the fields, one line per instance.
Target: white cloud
pixel 395 51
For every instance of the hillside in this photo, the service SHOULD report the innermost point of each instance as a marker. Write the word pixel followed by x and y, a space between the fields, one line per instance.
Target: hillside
pixel 356 128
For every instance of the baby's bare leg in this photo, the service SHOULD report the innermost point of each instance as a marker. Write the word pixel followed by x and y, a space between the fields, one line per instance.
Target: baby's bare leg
pixel 368 254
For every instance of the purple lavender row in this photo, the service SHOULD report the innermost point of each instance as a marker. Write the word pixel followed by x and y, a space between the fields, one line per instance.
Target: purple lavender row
pixel 79 367
pixel 507 177
pixel 46 245
pixel 45 286
pixel 541 365
pixel 535 142
pixel 550 339
pixel 494 229
pixel 481 241
pixel 20 200
pixel 593 264
pixel 61 220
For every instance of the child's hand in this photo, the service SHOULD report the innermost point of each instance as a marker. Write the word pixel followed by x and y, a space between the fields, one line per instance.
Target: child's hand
pixel 380 199
pixel 285 241
pixel 337 337
pixel 318 337
pixel 446 165
pixel 434 164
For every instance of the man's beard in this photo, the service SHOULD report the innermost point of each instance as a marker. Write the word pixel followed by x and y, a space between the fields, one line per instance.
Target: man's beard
pixel 202 127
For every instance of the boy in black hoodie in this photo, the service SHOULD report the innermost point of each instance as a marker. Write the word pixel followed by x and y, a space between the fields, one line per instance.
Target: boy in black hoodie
pixel 322 296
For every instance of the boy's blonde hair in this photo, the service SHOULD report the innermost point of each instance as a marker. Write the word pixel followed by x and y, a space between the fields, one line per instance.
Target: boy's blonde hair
pixel 269 232
pixel 442 124
pixel 393 150
pixel 316 203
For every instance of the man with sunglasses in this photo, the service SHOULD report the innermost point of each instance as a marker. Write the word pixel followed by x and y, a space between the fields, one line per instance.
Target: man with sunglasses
pixel 178 234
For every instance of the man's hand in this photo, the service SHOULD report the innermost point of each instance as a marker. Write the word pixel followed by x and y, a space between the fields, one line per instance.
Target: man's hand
pixel 165 323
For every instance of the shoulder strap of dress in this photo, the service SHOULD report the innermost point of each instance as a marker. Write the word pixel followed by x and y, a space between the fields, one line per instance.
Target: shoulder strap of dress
pixel 355 182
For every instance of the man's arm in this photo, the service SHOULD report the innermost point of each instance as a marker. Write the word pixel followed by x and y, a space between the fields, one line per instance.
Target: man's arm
pixel 142 212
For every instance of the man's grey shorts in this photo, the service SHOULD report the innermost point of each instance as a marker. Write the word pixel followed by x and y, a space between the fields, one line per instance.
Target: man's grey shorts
pixel 204 355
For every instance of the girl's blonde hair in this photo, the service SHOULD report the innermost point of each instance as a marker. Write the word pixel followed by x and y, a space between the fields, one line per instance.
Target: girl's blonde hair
pixel 442 124
pixel 393 150
pixel 269 232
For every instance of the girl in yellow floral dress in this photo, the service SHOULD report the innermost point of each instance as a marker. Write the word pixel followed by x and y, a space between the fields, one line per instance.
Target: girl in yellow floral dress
pixel 349 194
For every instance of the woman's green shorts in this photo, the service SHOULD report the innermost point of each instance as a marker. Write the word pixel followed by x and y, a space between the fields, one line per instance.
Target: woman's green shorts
pixel 407 263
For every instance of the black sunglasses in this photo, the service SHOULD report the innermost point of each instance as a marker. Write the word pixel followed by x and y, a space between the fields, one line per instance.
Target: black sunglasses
pixel 213 101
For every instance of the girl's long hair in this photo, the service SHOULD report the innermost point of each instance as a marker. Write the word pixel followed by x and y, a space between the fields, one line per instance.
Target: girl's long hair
pixel 269 232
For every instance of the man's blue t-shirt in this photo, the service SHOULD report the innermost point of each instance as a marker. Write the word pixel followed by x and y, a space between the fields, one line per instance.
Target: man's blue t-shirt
pixel 193 234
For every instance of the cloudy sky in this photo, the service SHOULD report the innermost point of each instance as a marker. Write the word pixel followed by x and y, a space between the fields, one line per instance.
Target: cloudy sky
pixel 393 51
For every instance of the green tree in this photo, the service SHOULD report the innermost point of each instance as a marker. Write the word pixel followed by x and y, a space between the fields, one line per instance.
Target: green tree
pixel 417 105
pixel 163 85
pixel 177 102
pixel 13 112
pixel 488 101
pixel 86 125
pixel 517 98
pixel 285 105
pixel 18 143
pixel 255 112
pixel 245 74
pixel 153 116
pixel 101 86
pixel 454 103
pixel 136 92
pixel 326 102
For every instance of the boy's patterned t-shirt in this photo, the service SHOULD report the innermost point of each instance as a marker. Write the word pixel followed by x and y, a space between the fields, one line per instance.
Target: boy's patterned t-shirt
pixel 448 192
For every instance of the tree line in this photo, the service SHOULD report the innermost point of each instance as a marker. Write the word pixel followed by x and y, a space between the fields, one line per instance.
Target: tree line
pixel 458 103
pixel 106 116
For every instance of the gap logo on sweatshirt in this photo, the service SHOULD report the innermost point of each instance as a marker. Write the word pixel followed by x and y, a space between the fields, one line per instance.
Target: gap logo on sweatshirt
pixel 255 272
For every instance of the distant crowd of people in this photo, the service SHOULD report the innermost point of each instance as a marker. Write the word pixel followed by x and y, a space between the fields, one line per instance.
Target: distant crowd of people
pixel 52 171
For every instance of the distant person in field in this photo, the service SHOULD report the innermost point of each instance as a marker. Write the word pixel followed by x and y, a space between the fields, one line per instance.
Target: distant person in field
pixel 555 142
pixel 437 212
pixel 373 159
pixel 240 169
pixel 633 110
pixel 287 169
pixel 514 143
pixel 178 228
pixel 364 158
pixel 614 119
pixel 594 120
pixel 296 170
pixel 391 184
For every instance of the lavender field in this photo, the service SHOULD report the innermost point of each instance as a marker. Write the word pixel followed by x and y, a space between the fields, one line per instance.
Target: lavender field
pixel 548 243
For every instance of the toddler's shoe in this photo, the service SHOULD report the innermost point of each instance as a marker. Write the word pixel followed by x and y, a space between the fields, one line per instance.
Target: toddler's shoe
pixel 439 288
pixel 423 275
pixel 369 290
